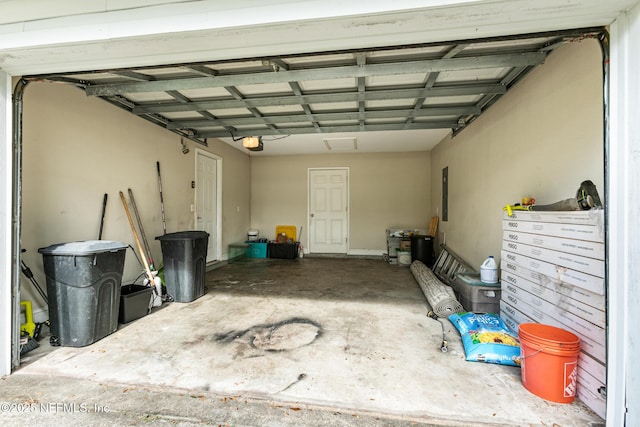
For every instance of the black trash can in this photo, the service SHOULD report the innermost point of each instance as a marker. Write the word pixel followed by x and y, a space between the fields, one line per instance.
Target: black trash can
pixel 422 249
pixel 83 286
pixel 184 256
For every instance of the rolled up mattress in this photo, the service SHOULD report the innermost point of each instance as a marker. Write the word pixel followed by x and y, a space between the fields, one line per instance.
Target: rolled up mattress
pixel 440 297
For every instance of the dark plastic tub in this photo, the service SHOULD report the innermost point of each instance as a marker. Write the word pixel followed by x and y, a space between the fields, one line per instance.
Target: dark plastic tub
pixel 184 256
pixel 283 250
pixel 83 286
pixel 135 302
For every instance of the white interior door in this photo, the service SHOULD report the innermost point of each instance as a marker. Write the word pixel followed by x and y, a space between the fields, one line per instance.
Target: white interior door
pixel 328 210
pixel 207 207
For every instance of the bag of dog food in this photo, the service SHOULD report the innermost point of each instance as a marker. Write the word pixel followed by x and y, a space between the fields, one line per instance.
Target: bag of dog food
pixel 486 338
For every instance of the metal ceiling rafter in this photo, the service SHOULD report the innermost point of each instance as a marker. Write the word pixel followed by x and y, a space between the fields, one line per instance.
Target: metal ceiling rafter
pixel 178 96
pixel 431 79
pixel 256 113
pixel 329 73
pixel 361 61
pixel 331 129
pixel 328 116
pixel 297 91
pixel 200 69
pixel 350 96
pixel 155 118
pixel 118 102
pixel 152 117
pixel 121 102
pixel 279 64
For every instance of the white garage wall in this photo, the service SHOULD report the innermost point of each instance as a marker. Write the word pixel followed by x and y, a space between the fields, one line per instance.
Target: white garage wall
pixel 542 139
pixel 386 190
pixel 76 149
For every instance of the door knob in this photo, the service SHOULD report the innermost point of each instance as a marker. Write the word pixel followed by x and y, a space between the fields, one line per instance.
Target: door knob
pixel 311 215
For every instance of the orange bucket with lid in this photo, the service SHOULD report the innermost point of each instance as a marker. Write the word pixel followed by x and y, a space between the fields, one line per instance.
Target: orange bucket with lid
pixel 549 361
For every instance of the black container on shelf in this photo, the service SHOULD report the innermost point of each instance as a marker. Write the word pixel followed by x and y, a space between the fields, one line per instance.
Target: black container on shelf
pixel 83 286
pixel 184 257
pixel 422 249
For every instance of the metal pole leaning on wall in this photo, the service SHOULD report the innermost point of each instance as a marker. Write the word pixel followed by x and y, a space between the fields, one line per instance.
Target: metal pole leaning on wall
pixel 164 222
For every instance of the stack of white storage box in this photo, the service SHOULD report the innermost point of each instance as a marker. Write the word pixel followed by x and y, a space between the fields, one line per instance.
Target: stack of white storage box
pixel 552 272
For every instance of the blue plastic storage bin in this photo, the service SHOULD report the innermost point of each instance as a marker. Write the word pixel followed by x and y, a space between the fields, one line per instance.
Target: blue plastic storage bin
pixel 256 250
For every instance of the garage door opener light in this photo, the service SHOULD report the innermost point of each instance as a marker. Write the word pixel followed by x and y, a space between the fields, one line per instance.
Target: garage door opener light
pixel 253 143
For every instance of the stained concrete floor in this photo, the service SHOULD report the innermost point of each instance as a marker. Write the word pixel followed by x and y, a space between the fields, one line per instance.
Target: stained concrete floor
pixel 313 341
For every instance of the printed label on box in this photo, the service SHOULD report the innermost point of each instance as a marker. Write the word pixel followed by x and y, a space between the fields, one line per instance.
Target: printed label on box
pixel 514 315
pixel 563 259
pixel 518 273
pixel 577 247
pixel 593 367
pixel 512 324
pixel 517 285
pixel 569 231
pixel 577 278
pixel 589 392
pixel 585 328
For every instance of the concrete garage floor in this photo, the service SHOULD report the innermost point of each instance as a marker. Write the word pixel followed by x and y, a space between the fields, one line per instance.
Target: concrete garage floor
pixel 313 341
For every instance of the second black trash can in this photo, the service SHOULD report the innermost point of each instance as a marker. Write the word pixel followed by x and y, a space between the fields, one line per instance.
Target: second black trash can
pixel 184 256
pixel 422 249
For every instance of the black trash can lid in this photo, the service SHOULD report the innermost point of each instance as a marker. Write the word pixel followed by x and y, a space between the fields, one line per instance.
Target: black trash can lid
pixel 421 237
pixel 184 235
pixel 88 247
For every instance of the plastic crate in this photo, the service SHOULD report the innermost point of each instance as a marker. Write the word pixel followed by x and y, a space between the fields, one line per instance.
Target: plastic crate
pixel 283 250
pixel 476 296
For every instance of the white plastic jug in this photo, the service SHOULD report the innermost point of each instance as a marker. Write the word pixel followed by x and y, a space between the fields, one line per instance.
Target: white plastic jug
pixel 489 271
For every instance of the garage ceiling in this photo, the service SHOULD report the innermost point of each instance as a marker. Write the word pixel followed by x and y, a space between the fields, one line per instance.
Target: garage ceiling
pixel 437 87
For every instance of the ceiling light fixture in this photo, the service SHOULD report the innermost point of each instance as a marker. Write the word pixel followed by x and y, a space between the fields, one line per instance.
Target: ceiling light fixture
pixel 250 141
pixel 253 143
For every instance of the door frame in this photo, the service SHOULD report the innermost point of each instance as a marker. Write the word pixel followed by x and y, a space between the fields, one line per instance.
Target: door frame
pixel 347 227
pixel 218 160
